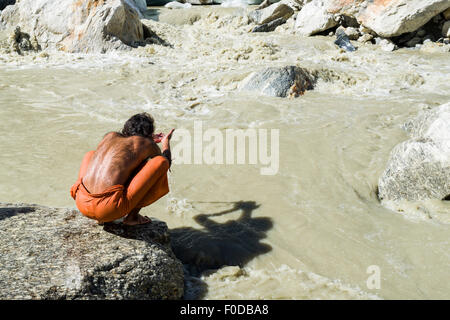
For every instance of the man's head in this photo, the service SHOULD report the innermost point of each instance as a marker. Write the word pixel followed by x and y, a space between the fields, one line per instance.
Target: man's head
pixel 140 124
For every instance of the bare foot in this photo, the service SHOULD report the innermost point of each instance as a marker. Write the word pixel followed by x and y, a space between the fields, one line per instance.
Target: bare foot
pixel 134 218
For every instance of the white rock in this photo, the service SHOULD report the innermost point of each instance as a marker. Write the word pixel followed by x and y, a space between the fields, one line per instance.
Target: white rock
pixel 420 167
pixel 365 38
pixel 314 18
pixel 393 18
pixel 78 26
pixel 387 45
pixel 178 5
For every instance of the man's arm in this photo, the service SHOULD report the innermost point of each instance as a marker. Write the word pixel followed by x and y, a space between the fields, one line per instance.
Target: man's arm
pixel 166 146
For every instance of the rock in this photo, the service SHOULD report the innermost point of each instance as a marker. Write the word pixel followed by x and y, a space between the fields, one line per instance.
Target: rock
pixel 342 41
pixel 446 29
pixel 178 5
pixel 271 26
pixel 20 42
pixel 390 18
pixel 199 1
pixel 365 38
pixel 352 33
pixel 314 18
pixel 421 33
pixel 271 13
pixel 413 42
pixel 264 4
pixel 387 45
pixel 419 168
pixel 280 82
pixel 50 253
pixel 446 14
pixel 79 26
pixel 433 47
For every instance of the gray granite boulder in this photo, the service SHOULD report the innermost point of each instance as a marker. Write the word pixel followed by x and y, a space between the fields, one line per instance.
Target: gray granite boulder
pixel 79 26
pixel 279 82
pixel 419 168
pixel 50 253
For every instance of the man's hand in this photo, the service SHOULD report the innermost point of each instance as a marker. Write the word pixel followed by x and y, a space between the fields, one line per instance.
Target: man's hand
pixel 166 140
pixel 157 137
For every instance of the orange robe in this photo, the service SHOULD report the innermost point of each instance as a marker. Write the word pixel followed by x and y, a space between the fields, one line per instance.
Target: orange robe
pixel 147 186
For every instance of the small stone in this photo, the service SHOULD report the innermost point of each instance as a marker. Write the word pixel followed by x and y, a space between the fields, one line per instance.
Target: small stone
pixel 352 33
pixel 365 38
pixel 387 45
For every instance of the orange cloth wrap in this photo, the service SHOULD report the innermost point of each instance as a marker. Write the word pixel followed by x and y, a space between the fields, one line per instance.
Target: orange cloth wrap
pixel 148 185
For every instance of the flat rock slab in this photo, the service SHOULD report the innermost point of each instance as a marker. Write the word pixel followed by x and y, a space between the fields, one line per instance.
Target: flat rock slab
pixel 56 253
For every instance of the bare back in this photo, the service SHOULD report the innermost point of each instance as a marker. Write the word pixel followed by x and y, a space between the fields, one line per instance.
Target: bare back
pixel 115 159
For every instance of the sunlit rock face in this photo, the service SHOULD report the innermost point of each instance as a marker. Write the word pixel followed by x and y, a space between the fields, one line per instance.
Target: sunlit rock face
pixel 79 26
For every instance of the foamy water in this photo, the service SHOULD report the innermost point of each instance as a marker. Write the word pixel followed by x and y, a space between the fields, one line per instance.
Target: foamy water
pixel 309 232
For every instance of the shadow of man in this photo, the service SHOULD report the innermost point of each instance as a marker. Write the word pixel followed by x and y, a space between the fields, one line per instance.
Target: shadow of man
pixel 232 243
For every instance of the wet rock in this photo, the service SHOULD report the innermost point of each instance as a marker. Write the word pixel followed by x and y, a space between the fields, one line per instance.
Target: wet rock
pixel 342 41
pixel 314 18
pixel 4 3
pixel 386 45
pixel 271 26
pixel 419 168
pixel 49 253
pixel 446 29
pixel 280 82
pixel 271 13
pixel 390 18
pixel 21 42
pixel 79 26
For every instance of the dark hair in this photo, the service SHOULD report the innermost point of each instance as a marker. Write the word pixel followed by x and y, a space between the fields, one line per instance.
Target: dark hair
pixel 140 124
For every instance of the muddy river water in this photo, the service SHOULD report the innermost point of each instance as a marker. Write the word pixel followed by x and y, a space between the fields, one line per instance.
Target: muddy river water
pixel 313 230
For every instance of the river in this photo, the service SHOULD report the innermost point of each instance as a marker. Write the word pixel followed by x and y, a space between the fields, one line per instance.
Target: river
pixel 314 230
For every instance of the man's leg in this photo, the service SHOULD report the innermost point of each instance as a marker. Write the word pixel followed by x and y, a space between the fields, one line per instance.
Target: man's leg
pixel 147 186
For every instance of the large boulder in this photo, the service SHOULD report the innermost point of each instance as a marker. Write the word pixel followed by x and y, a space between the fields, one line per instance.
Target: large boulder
pixel 315 17
pixel 390 18
pixel 387 18
pixel 279 82
pixel 78 26
pixel 49 253
pixel 419 168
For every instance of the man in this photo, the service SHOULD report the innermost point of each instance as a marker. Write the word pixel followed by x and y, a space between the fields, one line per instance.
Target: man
pixel 125 173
